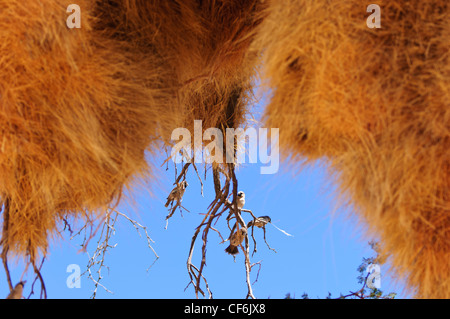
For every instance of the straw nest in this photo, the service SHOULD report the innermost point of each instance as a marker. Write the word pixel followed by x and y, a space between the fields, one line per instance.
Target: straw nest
pixel 375 103
pixel 79 108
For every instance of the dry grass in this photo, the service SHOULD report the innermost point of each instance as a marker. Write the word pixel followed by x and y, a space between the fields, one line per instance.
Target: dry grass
pixel 79 108
pixel 375 102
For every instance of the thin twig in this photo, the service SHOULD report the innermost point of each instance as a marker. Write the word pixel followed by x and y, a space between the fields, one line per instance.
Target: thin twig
pixel 259 269
pixel 100 252
pixel 199 178
pixel 37 271
pixel 5 266
pixel 144 228
pixel 3 241
pixel 264 230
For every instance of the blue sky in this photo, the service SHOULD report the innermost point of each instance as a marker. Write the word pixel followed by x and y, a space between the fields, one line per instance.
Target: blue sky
pixel 322 256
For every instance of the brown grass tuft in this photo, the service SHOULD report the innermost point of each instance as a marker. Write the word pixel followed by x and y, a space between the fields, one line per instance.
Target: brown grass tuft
pixel 78 108
pixel 375 102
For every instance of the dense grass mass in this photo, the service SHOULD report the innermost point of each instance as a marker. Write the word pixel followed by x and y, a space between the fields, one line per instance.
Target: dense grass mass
pixel 80 107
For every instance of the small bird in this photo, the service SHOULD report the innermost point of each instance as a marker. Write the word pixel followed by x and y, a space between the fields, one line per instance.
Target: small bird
pixel 259 222
pixel 240 203
pixel 241 199
pixel 16 293
pixel 177 193
pixel 235 241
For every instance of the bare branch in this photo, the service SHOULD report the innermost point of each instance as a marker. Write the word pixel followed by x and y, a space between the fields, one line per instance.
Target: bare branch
pixel 264 230
pixel 144 228
pixel 37 271
pixel 5 266
pixel 259 269
pixel 215 210
pixel 198 175
pixel 98 258
pixel 3 241
pixel 96 262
